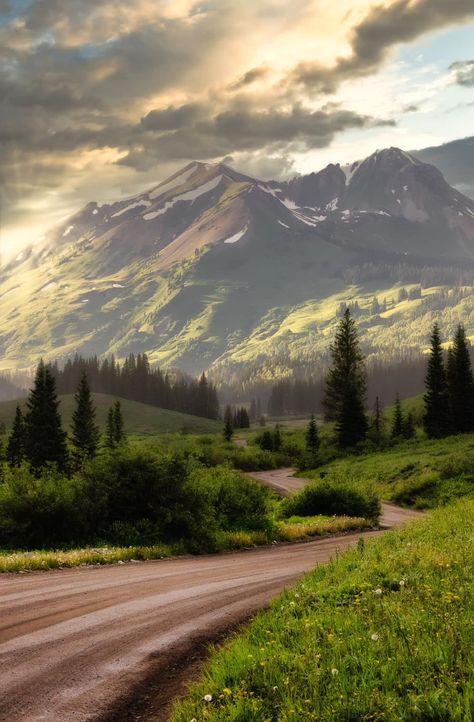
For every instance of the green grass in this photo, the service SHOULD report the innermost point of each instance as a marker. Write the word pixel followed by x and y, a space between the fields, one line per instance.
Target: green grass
pixel 139 418
pixel 285 531
pixel 419 473
pixel 383 632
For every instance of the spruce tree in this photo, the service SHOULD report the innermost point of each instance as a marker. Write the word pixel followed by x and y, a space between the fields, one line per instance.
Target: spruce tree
pixel 408 431
pixel 15 452
pixel 277 440
pixel 346 385
pixel 110 429
pixel 460 383
pixel 45 440
pixel 398 420
pixel 436 420
pixel 244 418
pixel 228 424
pixel 85 432
pixel 312 437
pixel 119 433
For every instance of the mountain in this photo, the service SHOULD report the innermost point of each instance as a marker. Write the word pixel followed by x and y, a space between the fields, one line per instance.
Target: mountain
pixel 455 160
pixel 213 269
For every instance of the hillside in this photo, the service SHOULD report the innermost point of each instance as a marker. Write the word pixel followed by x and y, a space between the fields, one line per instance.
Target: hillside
pixel 138 418
pixel 215 270
pixel 382 632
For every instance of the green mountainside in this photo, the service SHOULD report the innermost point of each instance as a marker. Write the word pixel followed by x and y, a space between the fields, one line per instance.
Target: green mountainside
pixel 213 270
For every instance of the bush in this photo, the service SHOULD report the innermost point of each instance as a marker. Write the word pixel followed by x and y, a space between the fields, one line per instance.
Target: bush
pixel 238 502
pixel 44 511
pixel 332 499
pixel 142 487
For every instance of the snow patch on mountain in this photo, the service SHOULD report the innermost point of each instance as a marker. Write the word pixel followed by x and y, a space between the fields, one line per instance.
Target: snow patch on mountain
pixel 137 204
pixel 197 192
pixel 237 236
pixel 349 170
pixel 173 183
pixel 68 231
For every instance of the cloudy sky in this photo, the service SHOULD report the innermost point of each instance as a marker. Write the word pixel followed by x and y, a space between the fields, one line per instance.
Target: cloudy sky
pixel 100 99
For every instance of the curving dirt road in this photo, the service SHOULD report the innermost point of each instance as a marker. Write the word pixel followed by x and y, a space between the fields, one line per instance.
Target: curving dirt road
pixel 118 643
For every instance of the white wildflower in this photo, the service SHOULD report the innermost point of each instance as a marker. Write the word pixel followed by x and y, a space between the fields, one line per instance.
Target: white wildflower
pixel 378 591
pixel 375 637
pixel 334 672
pixel 208 698
pixel 402 582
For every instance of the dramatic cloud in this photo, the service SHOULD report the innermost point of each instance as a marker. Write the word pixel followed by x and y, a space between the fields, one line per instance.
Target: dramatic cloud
pixel 104 97
pixel 373 38
pixel 463 72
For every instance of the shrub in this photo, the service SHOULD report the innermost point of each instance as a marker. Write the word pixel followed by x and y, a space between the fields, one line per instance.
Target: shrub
pixel 143 487
pixel 238 502
pixel 330 499
pixel 40 511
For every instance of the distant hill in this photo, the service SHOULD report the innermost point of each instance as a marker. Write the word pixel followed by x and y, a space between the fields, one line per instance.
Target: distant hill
pixel 214 270
pixel 139 418
pixel 455 160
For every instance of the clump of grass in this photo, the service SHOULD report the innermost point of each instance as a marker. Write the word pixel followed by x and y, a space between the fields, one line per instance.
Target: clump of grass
pixel 383 632
pixel 41 560
pixel 320 526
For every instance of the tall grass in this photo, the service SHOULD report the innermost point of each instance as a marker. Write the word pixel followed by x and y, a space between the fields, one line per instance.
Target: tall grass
pixel 291 531
pixel 384 632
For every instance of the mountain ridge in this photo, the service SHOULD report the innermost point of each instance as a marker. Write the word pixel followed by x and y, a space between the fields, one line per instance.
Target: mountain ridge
pixel 211 261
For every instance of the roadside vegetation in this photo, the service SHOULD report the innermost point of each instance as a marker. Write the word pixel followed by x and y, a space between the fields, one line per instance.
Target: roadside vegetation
pixel 383 632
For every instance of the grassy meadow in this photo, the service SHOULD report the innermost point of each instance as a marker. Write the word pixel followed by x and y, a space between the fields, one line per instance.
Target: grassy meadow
pixel 140 419
pixel 383 632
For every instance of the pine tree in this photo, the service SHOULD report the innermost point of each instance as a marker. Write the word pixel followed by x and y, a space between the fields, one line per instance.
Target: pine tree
pixel 119 433
pixel 346 385
pixel 277 440
pixel 436 420
pixel 85 432
pixel 460 384
pixel 45 441
pixel 15 452
pixel 228 424
pixel 398 420
pixel 312 437
pixel 110 429
pixel 408 431
pixel 244 418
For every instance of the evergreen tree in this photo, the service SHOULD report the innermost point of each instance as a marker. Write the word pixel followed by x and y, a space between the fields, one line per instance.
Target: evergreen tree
pixel 110 429
pixel 228 424
pixel 266 441
pixel 277 440
pixel 244 418
pixel 378 417
pixel 45 440
pixel 436 420
pixel 119 433
pixel 408 431
pixel 346 385
pixel 16 443
pixel 460 383
pixel 85 432
pixel 398 420
pixel 312 437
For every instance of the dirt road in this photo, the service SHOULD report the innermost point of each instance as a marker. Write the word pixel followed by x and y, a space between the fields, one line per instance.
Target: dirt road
pixel 117 643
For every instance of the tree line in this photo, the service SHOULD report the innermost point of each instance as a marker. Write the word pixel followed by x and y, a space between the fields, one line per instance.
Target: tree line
pixel 448 400
pixel 38 437
pixel 134 379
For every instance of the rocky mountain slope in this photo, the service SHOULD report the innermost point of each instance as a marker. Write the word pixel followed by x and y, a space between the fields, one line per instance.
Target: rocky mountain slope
pixel 214 269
